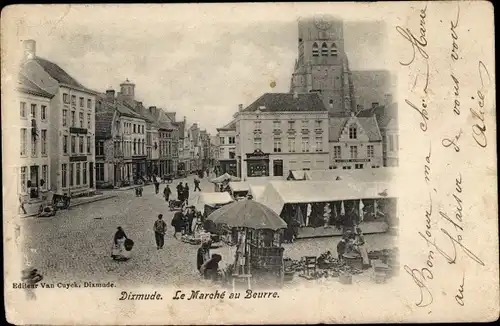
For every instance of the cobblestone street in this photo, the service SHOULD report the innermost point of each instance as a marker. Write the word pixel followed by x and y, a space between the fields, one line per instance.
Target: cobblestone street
pixel 76 244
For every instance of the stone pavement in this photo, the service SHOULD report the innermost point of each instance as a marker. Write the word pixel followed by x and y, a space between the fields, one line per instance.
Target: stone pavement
pixel 76 244
pixel 32 209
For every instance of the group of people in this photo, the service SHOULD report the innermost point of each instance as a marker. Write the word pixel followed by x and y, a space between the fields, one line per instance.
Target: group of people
pixel 183 221
pixel 183 192
pixel 353 242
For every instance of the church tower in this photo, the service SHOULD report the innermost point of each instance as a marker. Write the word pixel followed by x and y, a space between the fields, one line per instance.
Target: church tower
pixel 322 65
pixel 127 90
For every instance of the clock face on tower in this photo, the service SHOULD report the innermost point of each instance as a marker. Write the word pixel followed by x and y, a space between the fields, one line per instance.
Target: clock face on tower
pixel 322 22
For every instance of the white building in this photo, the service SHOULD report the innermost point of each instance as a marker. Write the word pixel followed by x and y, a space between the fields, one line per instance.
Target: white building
pixel 33 164
pixel 355 143
pixel 226 148
pixel 280 132
pixel 72 167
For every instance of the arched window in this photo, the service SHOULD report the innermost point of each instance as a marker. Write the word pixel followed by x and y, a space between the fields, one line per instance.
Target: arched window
pixel 324 50
pixel 315 50
pixel 353 132
pixel 333 50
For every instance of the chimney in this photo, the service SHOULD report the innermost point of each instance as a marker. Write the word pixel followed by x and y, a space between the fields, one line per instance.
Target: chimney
pixel 184 119
pixel 110 94
pixel 240 107
pixel 139 104
pixel 152 110
pixel 374 105
pixel 29 49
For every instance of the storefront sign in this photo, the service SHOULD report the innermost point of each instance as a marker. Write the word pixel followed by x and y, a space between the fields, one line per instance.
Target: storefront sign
pixel 258 154
pixel 353 160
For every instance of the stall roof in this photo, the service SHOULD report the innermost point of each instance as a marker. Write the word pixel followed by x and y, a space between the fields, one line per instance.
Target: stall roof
pixel 361 175
pixel 297 175
pixel 279 193
pixel 211 198
pixel 239 186
pixel 256 191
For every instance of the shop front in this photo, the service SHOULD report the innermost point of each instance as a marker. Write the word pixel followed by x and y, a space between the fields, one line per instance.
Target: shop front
pixel 228 166
pixel 257 164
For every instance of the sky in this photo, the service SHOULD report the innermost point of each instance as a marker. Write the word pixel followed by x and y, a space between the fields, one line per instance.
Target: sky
pixel 200 65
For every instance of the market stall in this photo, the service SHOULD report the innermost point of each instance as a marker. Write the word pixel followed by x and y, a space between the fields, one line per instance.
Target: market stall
pixel 239 189
pixel 259 252
pixel 221 183
pixel 331 204
pixel 207 203
pixel 256 191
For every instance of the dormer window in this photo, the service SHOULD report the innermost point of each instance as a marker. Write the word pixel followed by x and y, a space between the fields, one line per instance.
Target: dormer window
pixel 324 50
pixel 315 50
pixel 353 132
pixel 333 50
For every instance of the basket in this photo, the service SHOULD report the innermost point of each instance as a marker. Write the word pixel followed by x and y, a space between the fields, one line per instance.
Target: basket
pixel 128 244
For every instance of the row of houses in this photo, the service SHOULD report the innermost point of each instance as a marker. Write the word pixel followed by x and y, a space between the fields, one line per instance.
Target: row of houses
pixel 282 132
pixel 74 140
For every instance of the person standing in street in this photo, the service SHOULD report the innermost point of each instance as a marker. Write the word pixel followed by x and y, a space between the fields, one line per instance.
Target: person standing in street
pixel 190 215
pixel 177 223
pixel 180 192
pixel 166 193
pixel 160 227
pixel 186 193
pixel 157 185
pixel 196 185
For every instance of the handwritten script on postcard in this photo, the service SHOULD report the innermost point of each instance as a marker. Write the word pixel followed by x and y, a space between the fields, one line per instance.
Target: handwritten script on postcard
pixel 451 98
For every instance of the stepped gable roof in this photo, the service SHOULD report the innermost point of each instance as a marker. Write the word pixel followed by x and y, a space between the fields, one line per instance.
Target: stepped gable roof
pixel 286 102
pixel 27 86
pixel 369 125
pixel 60 74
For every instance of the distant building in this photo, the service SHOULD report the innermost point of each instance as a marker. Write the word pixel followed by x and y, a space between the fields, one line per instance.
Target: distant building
pixel 280 132
pixel 120 143
pixel 33 166
pixel 387 119
pixel 355 143
pixel 226 148
pixel 72 158
pixel 322 65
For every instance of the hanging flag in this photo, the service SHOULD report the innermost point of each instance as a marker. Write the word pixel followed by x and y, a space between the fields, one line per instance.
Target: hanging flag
pixel 342 209
pixel 361 213
pixel 375 208
pixel 335 211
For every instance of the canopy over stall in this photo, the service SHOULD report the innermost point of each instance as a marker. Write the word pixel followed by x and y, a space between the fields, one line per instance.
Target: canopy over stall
pixel 211 199
pixel 257 249
pixel 361 175
pixel 226 177
pixel 279 193
pixel 296 175
pixel 248 214
pixel 256 191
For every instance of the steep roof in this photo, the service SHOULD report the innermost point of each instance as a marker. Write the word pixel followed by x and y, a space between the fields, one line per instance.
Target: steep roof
pixel 103 123
pixel 382 113
pixel 230 126
pixel 286 102
pixel 59 74
pixel 27 86
pixel 369 125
